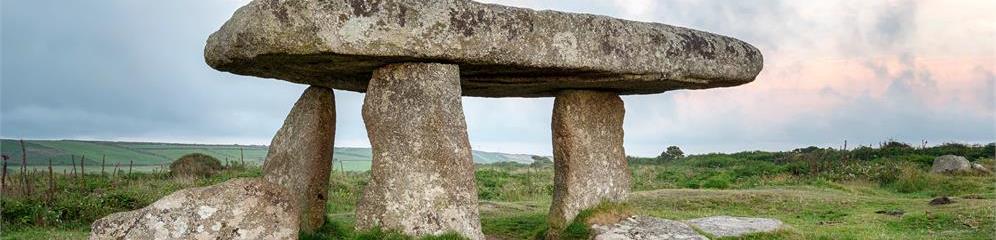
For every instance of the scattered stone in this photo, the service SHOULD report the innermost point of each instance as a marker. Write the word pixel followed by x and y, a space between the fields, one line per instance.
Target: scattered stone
pixel 727 226
pixel 236 209
pixel 300 155
pixel 891 212
pixel 941 201
pixel 973 196
pixel 422 178
pixel 590 162
pixel 649 228
pixel 502 51
pixel 981 168
pixel 950 164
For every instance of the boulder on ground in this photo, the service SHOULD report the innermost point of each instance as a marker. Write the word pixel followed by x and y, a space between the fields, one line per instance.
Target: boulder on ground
pixel 951 164
pixel 981 168
pixel 727 226
pixel 944 200
pixel 237 209
pixel 640 227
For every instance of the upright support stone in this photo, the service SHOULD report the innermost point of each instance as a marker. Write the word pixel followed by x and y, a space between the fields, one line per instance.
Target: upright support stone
pixel 589 160
pixel 300 155
pixel 423 173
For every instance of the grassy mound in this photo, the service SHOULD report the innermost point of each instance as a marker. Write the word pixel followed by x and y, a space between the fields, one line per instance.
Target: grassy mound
pixel 195 165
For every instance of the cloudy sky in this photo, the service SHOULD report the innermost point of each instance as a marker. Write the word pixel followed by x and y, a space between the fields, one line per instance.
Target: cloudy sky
pixel 862 71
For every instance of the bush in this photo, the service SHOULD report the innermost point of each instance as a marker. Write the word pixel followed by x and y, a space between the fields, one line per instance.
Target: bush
pixel 718 181
pixel 489 183
pixel 195 165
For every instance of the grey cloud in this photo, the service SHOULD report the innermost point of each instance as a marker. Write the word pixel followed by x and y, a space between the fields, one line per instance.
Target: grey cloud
pixel 134 69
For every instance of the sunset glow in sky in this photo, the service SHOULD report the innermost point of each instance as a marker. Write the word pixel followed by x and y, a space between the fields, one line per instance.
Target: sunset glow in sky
pixel 862 71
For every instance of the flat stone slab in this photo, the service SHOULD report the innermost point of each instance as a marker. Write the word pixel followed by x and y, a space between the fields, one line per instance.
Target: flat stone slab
pixel 501 51
pixel 727 226
pixel 649 228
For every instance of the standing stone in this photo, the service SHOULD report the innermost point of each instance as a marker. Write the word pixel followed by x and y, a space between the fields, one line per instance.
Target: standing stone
pixel 589 159
pixel 236 209
pixel 300 155
pixel 423 173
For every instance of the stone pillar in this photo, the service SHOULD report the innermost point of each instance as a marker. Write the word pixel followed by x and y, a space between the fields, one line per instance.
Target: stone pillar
pixel 589 160
pixel 300 155
pixel 423 173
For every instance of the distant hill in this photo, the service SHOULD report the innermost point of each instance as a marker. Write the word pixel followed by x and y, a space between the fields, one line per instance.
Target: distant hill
pixel 146 153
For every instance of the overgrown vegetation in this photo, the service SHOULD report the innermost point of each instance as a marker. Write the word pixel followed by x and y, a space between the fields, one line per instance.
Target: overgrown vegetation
pixel 195 165
pixel 823 193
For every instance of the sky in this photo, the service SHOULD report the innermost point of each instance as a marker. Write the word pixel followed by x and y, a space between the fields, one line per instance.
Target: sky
pixel 855 70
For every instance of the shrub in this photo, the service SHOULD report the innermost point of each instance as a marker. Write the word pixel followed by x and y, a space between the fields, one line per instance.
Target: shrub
pixel 903 178
pixel 195 165
pixel 718 181
pixel 489 183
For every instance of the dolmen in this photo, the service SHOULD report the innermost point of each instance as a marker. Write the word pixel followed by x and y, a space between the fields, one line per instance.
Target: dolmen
pixel 415 59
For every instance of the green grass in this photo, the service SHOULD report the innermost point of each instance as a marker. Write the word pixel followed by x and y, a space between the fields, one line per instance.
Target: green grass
pixel 817 194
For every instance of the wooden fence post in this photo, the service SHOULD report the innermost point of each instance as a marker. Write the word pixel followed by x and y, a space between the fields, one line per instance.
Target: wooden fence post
pixel 51 181
pixel 3 179
pixel 73 159
pixel 115 175
pixel 130 163
pixel 24 167
pixel 103 160
pixel 242 157
pixel 82 171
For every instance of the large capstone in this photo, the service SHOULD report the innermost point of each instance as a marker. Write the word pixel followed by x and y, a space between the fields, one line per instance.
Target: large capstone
pixel 422 174
pixel 589 160
pixel 237 209
pixel 502 51
pixel 300 155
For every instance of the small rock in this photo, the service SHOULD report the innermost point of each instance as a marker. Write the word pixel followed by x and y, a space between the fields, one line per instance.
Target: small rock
pixel 893 212
pixel 950 164
pixel 726 226
pixel 940 201
pixel 237 209
pixel 980 168
pixel 640 227
pixel 973 196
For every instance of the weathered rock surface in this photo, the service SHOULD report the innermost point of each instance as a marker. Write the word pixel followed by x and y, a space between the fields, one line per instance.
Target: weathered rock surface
pixel 646 228
pixel 589 159
pixel 422 175
pixel 951 164
pixel 300 155
pixel 981 168
pixel 237 209
pixel 726 226
pixel 502 51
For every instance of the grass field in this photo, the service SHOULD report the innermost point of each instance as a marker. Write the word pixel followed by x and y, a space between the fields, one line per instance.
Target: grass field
pixel 819 193
pixel 63 153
